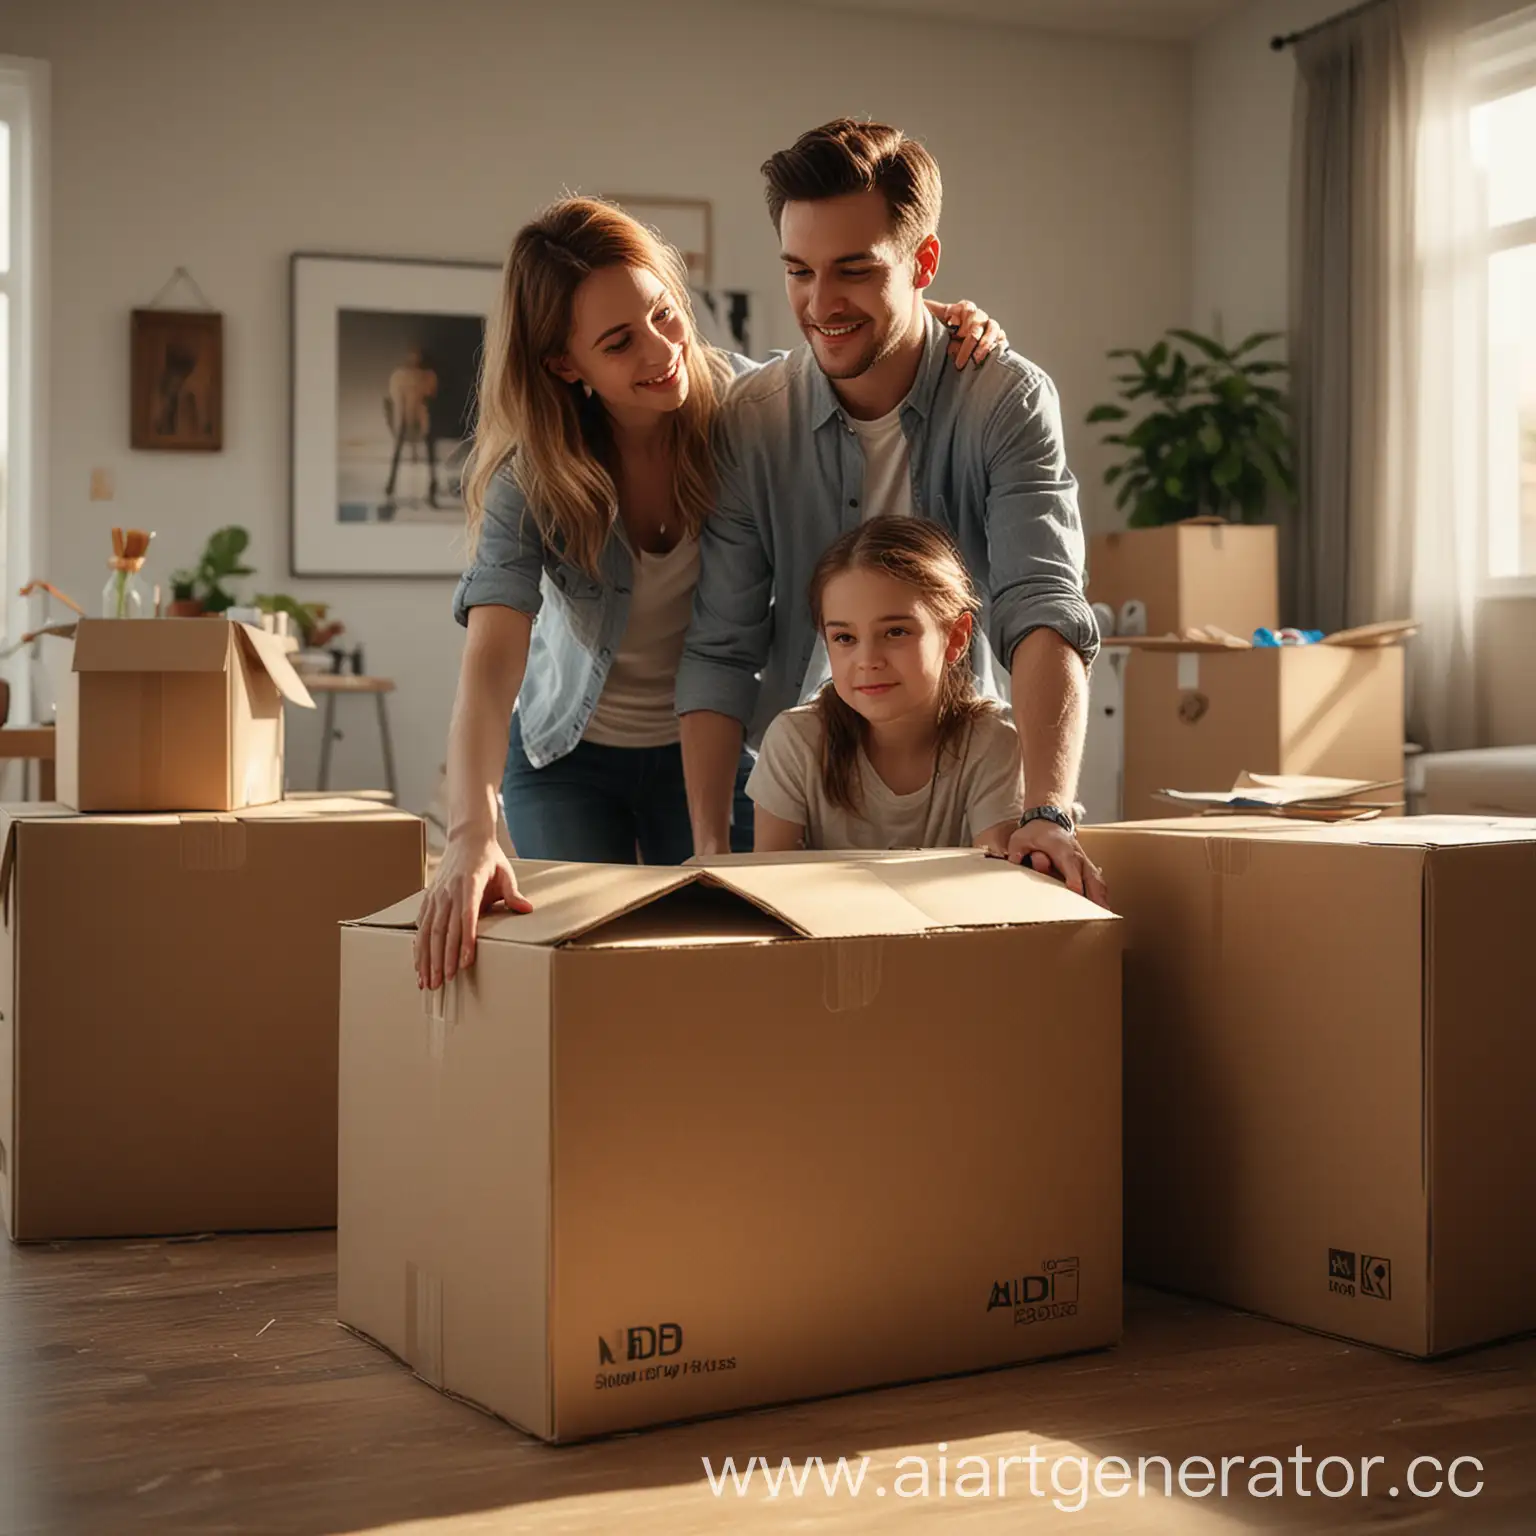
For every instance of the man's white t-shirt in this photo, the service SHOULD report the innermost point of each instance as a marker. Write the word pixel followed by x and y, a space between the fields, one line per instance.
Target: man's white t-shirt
pixel 887 466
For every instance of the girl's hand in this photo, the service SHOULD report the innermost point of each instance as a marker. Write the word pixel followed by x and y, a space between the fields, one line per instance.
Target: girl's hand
pixel 975 333
pixel 473 876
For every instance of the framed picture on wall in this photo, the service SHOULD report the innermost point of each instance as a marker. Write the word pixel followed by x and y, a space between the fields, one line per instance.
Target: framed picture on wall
pixel 386 355
pixel 685 223
pixel 176 380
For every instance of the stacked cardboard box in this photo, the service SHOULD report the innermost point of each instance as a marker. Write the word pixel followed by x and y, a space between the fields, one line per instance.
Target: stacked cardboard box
pixel 688 1140
pixel 1202 571
pixel 169 979
pixel 1329 1070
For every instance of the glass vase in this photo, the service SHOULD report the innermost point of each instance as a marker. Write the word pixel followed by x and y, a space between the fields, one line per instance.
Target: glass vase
pixel 123 596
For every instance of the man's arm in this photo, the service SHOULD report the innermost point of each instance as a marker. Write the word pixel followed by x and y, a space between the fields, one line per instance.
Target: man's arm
pixel 1040 619
pixel 711 751
pixel 726 647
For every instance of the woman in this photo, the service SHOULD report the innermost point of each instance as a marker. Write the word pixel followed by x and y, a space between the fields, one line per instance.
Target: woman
pixel 590 478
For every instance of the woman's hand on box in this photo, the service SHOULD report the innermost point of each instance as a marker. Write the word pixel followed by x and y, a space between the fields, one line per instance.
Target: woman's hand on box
pixel 473 877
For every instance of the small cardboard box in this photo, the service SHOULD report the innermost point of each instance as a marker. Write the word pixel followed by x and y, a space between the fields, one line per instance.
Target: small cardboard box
pixel 1199 717
pixel 174 715
pixel 1330 1069
pixel 1190 574
pixel 169 994
pixel 691 1140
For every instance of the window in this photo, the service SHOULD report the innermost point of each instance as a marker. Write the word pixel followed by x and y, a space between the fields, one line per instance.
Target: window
pixel 23 111
pixel 6 434
pixel 1503 136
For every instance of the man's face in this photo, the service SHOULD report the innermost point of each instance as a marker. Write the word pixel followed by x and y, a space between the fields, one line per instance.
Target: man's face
pixel 852 291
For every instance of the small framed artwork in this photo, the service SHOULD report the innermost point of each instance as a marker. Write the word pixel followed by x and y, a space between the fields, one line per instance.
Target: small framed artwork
pixel 686 223
pixel 176 380
pixel 386 358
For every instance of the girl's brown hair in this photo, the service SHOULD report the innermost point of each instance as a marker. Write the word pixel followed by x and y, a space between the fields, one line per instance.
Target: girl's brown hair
pixel 555 443
pixel 924 557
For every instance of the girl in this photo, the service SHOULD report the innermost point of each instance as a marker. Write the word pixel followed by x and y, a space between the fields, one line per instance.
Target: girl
pixel 590 477
pixel 898 750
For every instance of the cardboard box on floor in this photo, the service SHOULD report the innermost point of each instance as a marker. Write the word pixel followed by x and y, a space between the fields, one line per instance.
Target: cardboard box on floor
pixel 174 715
pixel 1201 571
pixel 1330 1068
pixel 691 1140
pixel 169 992
pixel 1200 715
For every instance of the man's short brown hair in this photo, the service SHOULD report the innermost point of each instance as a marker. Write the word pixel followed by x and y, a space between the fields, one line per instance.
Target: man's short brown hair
pixel 848 156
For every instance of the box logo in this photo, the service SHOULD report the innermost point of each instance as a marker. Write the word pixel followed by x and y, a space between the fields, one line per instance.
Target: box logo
pixel 644 1343
pixel 1375 1277
pixel 1341 1269
pixel 1037 1298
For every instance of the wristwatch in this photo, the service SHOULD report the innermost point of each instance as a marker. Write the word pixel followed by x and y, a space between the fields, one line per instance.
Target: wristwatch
pixel 1051 813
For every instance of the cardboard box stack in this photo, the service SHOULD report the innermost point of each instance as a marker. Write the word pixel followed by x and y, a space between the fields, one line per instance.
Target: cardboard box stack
pixel 1329 1069
pixel 690 1140
pixel 1201 711
pixel 169 979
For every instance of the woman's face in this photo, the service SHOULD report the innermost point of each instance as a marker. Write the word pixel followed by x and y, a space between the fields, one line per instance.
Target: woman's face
pixel 628 342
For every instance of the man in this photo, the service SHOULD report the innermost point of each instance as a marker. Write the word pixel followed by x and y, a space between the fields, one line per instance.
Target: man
pixel 870 421
pixel 412 389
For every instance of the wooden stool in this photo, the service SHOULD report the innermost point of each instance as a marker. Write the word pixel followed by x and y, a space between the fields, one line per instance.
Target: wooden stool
pixel 334 684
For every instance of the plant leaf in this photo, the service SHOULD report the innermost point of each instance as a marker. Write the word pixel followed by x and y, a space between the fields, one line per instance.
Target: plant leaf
pixel 1212 349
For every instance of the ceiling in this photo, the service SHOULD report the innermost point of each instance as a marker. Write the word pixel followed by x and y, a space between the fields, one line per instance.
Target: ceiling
pixel 1166 20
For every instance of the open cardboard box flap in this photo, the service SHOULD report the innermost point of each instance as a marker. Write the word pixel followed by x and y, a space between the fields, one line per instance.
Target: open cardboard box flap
pixel 818 896
pixel 183 645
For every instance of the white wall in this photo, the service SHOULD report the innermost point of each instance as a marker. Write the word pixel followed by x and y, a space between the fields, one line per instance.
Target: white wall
pixel 224 135
pixel 1240 114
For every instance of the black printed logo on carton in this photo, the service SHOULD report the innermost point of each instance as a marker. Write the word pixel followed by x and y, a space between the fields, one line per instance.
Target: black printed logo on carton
pixel 627 1357
pixel 1371 1276
pixel 1043 1297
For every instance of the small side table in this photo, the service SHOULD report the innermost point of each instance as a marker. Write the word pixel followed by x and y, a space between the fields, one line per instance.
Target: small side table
pixel 333 685
pixel 31 743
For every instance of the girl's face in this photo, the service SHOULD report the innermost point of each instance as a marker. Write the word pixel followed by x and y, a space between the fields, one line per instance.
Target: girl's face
pixel 887 650
pixel 628 342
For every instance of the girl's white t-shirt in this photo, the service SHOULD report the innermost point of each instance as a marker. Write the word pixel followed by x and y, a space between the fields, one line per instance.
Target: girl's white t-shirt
pixel 979 783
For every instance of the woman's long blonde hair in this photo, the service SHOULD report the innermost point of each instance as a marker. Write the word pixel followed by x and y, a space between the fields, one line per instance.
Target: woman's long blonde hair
pixel 923 556
pixel 556 443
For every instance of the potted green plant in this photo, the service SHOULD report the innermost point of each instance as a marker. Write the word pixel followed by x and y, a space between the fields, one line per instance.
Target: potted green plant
pixel 185 603
pixel 1216 440
pixel 315 628
pixel 221 563
pixel 200 589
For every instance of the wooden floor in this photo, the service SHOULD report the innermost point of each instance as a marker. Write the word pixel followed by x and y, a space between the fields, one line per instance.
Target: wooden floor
pixel 206 1387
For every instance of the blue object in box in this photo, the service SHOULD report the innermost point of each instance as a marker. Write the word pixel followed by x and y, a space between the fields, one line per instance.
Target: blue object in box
pixel 1278 637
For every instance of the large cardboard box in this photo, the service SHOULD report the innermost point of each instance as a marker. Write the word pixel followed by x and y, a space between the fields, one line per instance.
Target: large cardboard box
pixel 169 994
pixel 174 715
pixel 690 1140
pixel 1197 718
pixel 1330 1068
pixel 1190 575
